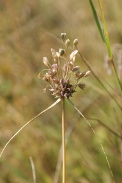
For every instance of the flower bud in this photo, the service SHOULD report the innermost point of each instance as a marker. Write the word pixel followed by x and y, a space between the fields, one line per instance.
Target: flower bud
pixel 55 80
pixel 87 73
pixel 73 54
pixel 75 42
pixel 45 61
pixel 54 54
pixel 70 65
pixel 47 77
pixel 61 52
pixel 63 36
pixel 67 43
pixel 76 68
pixel 54 68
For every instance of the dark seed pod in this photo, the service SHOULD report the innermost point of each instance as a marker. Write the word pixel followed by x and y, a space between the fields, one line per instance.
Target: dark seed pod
pixel 61 52
pixel 81 86
pixel 63 36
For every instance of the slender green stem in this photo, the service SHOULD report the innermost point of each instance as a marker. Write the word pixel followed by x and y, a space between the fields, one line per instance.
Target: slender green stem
pixel 63 143
pixel 108 42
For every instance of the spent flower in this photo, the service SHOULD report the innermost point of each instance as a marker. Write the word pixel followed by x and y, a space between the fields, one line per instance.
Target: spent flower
pixel 63 76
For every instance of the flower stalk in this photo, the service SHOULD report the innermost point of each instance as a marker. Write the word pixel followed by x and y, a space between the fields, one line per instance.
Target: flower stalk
pixel 63 142
pixel 63 77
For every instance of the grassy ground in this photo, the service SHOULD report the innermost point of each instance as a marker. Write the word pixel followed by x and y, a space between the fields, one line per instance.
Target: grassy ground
pixel 28 30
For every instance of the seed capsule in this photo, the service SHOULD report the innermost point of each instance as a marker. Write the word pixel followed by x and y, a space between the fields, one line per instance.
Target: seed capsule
pixel 81 86
pixel 61 52
pixel 75 42
pixel 67 43
pixel 45 61
pixel 76 68
pixel 63 36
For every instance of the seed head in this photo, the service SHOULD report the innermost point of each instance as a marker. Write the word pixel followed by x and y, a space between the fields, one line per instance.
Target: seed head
pixel 63 76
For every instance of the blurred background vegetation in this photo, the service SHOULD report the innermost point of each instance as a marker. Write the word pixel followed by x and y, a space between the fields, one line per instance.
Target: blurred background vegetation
pixel 28 30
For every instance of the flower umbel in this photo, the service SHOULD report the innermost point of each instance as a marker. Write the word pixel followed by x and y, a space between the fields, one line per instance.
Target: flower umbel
pixel 63 76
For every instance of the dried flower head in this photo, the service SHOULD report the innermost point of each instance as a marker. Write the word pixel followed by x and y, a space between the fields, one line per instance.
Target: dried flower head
pixel 63 76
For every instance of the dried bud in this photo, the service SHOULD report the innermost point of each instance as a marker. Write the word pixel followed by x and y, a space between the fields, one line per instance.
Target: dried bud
pixel 73 54
pixel 54 68
pixel 54 54
pixel 47 77
pixel 55 80
pixel 76 68
pixel 81 86
pixel 45 61
pixel 67 43
pixel 75 42
pixel 77 74
pixel 61 52
pixel 83 74
pixel 87 73
pixel 70 65
pixel 63 36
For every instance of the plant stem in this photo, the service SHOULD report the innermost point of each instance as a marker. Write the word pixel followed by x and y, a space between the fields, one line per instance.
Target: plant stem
pixel 63 143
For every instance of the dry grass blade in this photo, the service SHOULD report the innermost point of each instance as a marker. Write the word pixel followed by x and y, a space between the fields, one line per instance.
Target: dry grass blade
pixel 27 124
pixel 33 169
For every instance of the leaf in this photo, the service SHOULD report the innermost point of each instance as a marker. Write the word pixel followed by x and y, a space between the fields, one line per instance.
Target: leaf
pixel 97 20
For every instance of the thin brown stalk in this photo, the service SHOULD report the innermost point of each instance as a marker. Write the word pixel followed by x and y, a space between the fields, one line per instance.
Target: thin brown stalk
pixel 85 61
pixel 63 143
pixel 57 101
pixel 114 68
pixel 107 127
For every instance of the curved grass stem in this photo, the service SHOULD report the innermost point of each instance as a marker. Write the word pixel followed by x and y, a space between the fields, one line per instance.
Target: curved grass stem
pixel 27 124
pixel 106 157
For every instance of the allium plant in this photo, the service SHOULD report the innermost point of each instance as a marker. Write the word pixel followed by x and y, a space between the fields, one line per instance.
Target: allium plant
pixel 63 76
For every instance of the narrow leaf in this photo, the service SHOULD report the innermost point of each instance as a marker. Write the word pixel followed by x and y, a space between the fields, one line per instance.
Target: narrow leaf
pixel 97 20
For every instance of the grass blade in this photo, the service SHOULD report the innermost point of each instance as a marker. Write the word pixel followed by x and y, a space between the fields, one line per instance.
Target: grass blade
pixel 57 101
pixel 98 23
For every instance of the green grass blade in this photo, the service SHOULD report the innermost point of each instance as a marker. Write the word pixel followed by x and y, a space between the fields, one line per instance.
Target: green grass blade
pixel 99 25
